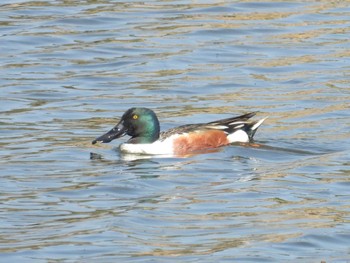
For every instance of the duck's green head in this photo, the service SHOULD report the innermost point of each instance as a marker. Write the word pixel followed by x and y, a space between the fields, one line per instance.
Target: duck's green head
pixel 140 123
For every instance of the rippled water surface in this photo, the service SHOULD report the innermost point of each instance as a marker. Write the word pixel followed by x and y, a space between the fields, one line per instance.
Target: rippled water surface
pixel 69 69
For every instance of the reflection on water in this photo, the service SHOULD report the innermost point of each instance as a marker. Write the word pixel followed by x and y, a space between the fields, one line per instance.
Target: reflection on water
pixel 70 69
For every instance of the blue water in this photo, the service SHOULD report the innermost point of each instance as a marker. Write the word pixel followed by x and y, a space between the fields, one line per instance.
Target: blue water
pixel 69 70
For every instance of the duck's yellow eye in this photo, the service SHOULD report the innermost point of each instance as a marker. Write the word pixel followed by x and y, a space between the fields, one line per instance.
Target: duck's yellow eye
pixel 135 117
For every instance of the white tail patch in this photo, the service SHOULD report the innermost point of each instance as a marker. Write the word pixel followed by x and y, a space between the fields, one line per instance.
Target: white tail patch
pixel 256 125
pixel 238 136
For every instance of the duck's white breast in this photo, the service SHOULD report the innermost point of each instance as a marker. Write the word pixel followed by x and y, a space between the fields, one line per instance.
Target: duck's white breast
pixel 157 147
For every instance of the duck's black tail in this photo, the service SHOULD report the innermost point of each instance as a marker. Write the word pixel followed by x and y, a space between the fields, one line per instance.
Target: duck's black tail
pixel 234 124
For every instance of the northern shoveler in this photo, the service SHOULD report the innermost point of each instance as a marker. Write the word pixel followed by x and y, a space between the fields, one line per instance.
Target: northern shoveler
pixel 143 126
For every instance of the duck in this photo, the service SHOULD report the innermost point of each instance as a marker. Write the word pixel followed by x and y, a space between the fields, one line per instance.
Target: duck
pixel 142 125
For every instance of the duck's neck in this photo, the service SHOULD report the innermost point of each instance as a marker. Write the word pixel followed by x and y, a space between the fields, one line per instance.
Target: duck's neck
pixel 149 134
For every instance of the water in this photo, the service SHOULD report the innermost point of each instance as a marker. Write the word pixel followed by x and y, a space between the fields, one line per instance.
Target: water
pixel 69 69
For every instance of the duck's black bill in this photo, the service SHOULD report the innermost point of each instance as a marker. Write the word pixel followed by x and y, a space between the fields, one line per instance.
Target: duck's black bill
pixel 118 131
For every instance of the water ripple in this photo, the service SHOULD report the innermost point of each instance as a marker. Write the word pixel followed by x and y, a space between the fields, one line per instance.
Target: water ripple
pixel 71 68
